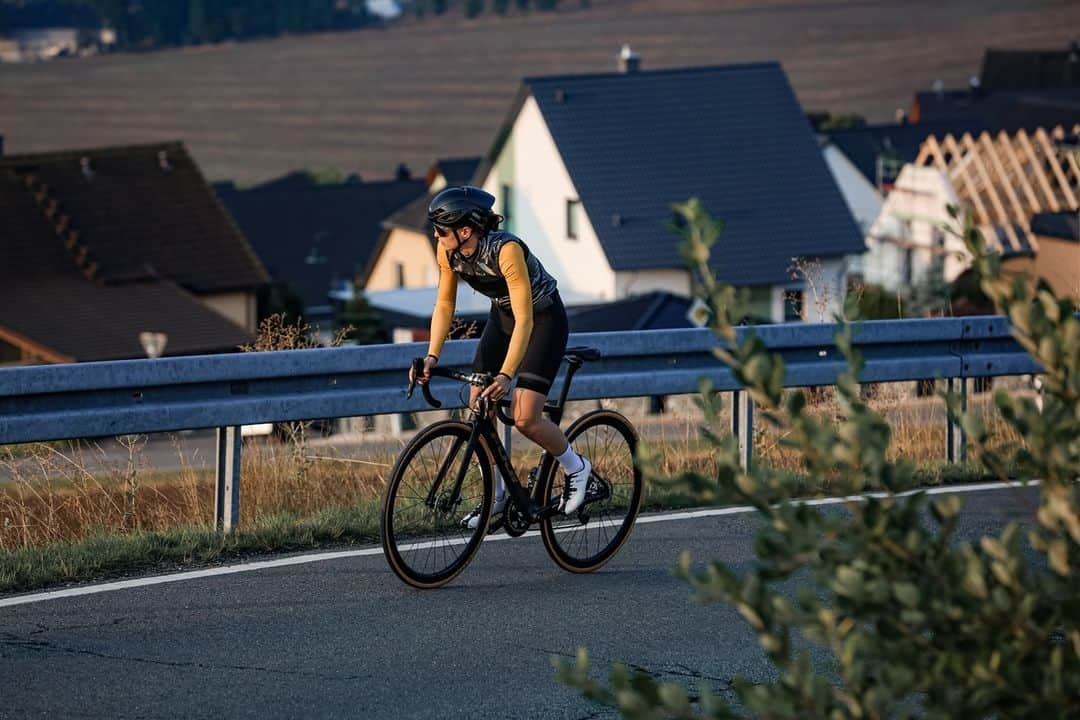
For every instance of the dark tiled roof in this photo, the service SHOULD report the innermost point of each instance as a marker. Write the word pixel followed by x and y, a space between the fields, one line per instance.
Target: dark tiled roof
pixel 458 171
pixel 863 146
pixel 733 136
pixel 290 223
pixel 413 216
pixel 86 321
pixel 651 311
pixel 1008 250
pixel 996 110
pixel 87 262
pixel 295 180
pixel 1064 225
pixel 1027 69
pixel 29 244
pixel 127 217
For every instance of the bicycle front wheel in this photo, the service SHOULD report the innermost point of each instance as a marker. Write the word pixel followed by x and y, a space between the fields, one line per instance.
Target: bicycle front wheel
pixel 423 536
pixel 588 538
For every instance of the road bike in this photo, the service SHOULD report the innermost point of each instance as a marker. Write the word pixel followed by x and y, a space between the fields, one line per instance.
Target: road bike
pixel 448 468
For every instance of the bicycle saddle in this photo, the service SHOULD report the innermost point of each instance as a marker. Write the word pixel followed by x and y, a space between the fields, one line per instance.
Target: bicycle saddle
pixel 582 354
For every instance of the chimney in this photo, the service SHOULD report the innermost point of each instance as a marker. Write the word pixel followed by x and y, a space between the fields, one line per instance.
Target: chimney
pixel 629 61
pixel 974 85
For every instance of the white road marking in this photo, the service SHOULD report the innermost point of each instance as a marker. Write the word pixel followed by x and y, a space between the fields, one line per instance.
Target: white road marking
pixel 320 557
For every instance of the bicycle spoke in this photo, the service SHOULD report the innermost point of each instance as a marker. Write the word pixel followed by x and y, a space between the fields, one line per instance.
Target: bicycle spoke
pixel 422 531
pixel 607 439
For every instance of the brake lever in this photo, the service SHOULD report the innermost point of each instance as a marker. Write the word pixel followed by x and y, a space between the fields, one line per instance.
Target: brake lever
pixel 417 369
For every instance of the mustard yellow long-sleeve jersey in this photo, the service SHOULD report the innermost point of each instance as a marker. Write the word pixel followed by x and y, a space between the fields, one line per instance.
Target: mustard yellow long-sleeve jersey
pixel 514 270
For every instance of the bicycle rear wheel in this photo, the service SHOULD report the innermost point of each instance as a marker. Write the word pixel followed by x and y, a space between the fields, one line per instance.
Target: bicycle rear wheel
pixel 423 536
pixel 585 540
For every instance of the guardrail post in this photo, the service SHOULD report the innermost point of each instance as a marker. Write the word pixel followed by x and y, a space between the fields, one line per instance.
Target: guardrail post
pixel 955 437
pixel 742 420
pixel 227 487
pixel 734 419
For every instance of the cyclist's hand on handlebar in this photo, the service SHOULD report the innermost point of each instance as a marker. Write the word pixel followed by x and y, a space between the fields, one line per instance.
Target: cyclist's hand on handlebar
pixel 429 362
pixel 498 388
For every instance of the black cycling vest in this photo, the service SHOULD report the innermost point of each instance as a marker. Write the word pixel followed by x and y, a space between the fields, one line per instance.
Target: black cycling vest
pixel 481 271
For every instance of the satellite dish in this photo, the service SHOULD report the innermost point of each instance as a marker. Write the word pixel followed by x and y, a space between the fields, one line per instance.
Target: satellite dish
pixel 698 313
pixel 153 343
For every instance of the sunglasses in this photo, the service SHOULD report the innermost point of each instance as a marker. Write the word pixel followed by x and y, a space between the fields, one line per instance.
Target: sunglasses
pixel 441 230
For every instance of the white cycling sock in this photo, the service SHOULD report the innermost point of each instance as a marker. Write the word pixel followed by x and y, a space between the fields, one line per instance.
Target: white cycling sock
pixel 571 462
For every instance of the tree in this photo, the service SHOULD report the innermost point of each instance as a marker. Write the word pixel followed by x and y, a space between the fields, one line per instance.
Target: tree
pixel 522 5
pixel 836 121
pixel 915 622
pixel 282 299
pixel 500 6
pixel 419 7
pixel 362 321
pixel 474 8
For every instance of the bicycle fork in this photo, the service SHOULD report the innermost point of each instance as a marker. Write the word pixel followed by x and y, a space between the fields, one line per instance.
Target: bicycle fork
pixel 441 501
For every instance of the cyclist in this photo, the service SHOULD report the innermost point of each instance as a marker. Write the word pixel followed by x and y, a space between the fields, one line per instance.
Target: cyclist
pixel 526 332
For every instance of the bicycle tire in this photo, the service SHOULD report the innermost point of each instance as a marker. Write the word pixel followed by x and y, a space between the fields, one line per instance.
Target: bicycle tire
pixel 610 442
pixel 422 543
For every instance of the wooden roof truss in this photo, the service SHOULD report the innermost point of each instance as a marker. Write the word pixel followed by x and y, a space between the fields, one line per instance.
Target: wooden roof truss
pixel 1007 179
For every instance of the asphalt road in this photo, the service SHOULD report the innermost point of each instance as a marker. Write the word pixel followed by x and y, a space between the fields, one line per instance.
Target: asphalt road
pixel 345 638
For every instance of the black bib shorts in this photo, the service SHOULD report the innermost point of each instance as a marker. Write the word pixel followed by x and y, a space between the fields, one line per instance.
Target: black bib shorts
pixel 543 354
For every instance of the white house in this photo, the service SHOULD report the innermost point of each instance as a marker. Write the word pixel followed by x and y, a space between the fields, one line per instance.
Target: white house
pixel 862 197
pixel 586 169
pixel 907 242
pixel 1006 181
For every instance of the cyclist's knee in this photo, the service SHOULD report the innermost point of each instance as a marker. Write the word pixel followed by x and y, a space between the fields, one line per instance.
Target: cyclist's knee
pixel 525 424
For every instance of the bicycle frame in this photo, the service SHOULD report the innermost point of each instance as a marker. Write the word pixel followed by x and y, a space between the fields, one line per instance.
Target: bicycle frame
pixel 532 507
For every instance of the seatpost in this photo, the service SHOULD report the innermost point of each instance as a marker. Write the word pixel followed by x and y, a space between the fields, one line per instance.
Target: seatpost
pixel 572 366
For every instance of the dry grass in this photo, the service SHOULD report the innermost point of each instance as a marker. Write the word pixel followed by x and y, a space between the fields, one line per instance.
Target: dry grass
pixel 918 433
pixel 54 498
pixel 60 521
pixel 364 101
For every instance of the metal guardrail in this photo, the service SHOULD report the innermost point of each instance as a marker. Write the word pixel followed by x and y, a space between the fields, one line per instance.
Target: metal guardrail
pixel 226 391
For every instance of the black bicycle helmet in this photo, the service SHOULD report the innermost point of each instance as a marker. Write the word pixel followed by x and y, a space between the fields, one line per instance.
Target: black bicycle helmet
pixel 464 205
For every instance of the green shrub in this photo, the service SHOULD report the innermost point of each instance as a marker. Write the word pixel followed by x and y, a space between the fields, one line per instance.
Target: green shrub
pixel 918 623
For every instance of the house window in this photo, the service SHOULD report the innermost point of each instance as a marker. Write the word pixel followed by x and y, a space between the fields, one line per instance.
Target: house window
pixel 573 211
pixel 507 193
pixel 400 267
pixel 793 304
